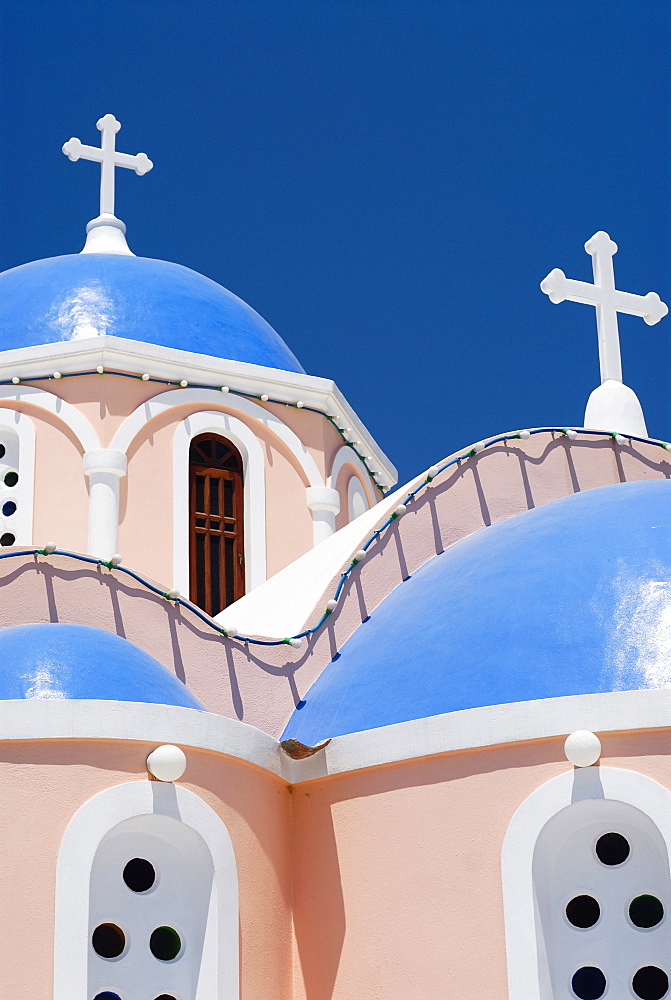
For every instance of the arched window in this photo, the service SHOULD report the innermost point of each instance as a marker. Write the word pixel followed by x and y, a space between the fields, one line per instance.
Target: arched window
pixel 151 883
pixel 216 512
pixel 146 899
pixel 587 889
pixel 601 873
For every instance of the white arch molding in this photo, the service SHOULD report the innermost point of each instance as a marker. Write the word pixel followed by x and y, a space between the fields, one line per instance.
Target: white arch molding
pixel 254 493
pixel 44 400
pixel 346 456
pixel 88 827
pixel 103 486
pixel 519 902
pixel 158 405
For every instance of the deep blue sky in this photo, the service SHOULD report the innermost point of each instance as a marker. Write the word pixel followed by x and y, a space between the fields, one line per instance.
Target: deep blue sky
pixel 385 182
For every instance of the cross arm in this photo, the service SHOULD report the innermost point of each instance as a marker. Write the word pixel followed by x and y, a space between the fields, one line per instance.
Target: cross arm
pixel 649 306
pixel 74 149
pixel 558 288
pixel 140 163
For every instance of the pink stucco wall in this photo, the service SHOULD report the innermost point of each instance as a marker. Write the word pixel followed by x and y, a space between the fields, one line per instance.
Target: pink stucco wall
pixel 381 883
pixel 41 787
pixel 402 864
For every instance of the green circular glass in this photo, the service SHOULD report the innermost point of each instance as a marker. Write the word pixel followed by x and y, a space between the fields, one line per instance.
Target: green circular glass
pixel 645 911
pixel 165 943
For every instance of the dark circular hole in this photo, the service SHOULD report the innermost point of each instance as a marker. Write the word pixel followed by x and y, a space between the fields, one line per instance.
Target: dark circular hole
pixel 108 940
pixel 8 508
pixel 650 983
pixel 645 911
pixel 583 911
pixel 612 849
pixel 11 478
pixel 106 995
pixel 7 539
pixel 2 451
pixel 588 983
pixel 165 996
pixel 165 943
pixel 139 875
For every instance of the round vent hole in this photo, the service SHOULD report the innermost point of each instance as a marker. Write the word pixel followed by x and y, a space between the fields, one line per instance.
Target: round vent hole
pixel 588 983
pixel 650 983
pixel 139 875
pixel 612 849
pixel 583 911
pixel 165 943
pixel 646 911
pixel 108 940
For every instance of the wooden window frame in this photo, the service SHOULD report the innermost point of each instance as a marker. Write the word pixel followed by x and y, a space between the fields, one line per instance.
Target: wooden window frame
pixel 216 515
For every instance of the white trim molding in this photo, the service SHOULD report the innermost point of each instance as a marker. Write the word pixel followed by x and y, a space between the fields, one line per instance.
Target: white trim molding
pixel 169 363
pixel 528 977
pixel 90 824
pixel 346 456
pixel 254 479
pixel 158 405
pixel 68 414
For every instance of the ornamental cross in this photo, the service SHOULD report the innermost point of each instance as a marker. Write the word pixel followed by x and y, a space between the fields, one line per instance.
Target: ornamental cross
pixel 608 301
pixel 108 157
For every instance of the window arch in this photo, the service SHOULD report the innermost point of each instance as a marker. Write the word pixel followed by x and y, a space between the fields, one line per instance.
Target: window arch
pixel 587 889
pixel 150 888
pixel 216 523
pixel 194 894
pixel 17 470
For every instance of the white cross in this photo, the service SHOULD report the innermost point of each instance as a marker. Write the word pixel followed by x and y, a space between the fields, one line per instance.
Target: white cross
pixel 608 301
pixel 108 157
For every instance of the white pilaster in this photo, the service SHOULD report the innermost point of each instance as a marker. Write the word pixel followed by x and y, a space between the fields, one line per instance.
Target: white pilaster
pixel 325 505
pixel 104 467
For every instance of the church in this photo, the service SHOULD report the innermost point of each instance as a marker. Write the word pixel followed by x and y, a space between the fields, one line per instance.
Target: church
pixel 275 728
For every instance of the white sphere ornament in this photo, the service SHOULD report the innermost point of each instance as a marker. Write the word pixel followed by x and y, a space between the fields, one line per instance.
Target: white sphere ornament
pixel 582 748
pixel 167 762
pixel 332 604
pixel 360 555
pixel 15 380
pixel 433 471
pixel 620 439
pixel 525 435
pixel 478 447
pixel 183 383
pixel 49 548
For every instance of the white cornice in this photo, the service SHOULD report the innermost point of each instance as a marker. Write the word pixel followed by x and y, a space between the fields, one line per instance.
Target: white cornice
pixel 471 729
pixel 165 362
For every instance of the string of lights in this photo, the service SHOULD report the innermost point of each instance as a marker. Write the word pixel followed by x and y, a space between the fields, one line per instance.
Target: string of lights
pixel 333 418
pixel 296 641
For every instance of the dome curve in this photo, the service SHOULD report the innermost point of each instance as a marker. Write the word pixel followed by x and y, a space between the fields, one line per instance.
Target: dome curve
pixel 570 598
pixel 61 661
pixel 78 296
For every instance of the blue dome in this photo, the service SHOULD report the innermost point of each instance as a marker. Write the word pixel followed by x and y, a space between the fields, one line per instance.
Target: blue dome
pixel 80 662
pixel 571 598
pixel 89 295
